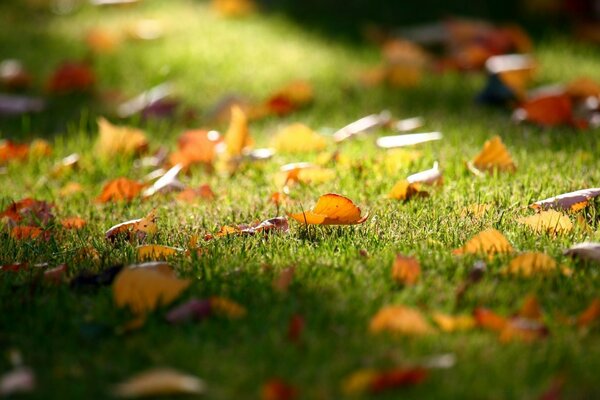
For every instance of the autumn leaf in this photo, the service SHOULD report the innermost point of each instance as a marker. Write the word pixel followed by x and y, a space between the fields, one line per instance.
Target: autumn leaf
pixel 156 251
pixel 160 382
pixel 284 279
pixel 144 287
pixel 237 136
pixel 120 189
pixel 376 381
pixel 489 320
pixel 196 147
pixel 139 228
pixel 277 224
pixel 551 222
pixel 531 263
pixel 494 156
pixel 73 223
pixel 192 195
pixel 227 308
pixel 115 140
pixel 331 209
pixel 304 172
pixel 71 77
pixel 453 323
pixel 586 251
pixel 573 201
pixel 406 270
pixel 28 211
pixel 278 389
pixel 401 320
pixel 193 309
pixel 409 139
pixel 234 8
pixel 10 151
pixel 490 242
pixel 298 138
pixel 26 232
pixel 590 314
pixel 287 99
pixel 475 210
pixel 101 41
pixel 582 88
pixel 404 190
pixel 547 110
pixel 168 182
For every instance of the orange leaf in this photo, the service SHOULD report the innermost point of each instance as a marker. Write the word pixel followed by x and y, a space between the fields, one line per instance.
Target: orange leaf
pixel 552 222
pixel 234 8
pixel 494 156
pixel 73 223
pixel 120 189
pixel 237 137
pixel 488 242
pixel 277 389
pixel 531 309
pixel 489 320
pixel 406 270
pixel 101 41
pixel 196 147
pixel 582 88
pixel 590 314
pixel 25 232
pixel 115 140
pixel 10 151
pixel 399 319
pixel 138 227
pixel 547 110
pixel 289 98
pixel 189 195
pixel 225 307
pixel 403 190
pixel 71 77
pixel 331 209
pixel 531 263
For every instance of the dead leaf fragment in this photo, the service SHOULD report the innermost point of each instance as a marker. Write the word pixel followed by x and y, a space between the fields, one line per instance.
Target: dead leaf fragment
pixel 160 382
pixel 401 320
pixel 551 222
pixel 490 242
pixel 277 224
pixel 573 201
pixel 115 139
pixel 331 209
pixel 406 270
pixel 547 110
pixel 120 189
pixel 144 287
pixel 531 263
pixel 494 156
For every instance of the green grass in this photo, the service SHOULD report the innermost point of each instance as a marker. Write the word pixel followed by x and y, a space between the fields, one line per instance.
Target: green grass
pixel 68 337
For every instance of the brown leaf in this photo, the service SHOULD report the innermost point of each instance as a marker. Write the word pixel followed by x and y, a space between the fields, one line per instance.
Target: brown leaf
pixel 395 378
pixel 73 223
pixel 404 190
pixel 585 251
pixel 196 147
pixel 191 195
pixel 28 212
pixel 547 110
pixel 278 389
pixel 406 270
pixel 26 232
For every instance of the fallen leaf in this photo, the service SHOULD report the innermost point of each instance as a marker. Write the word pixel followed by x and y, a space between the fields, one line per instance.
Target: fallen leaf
pixel 196 147
pixel 490 242
pixel 144 287
pixel 331 209
pixel 530 263
pixel 73 223
pixel 28 211
pixel 298 138
pixel 551 222
pixel 586 251
pixel 376 381
pixel 295 328
pixel 278 389
pixel 453 323
pixel 115 140
pixel 160 382
pixel 101 41
pixel 404 190
pixel 26 232
pixel 120 189
pixel 277 224
pixel 193 309
pixel 191 195
pixel 237 136
pixel 287 99
pixel 531 308
pixel 304 172
pixel 410 139
pixel 156 251
pixel 547 110
pixel 573 201
pixel 234 8
pixel 429 177
pixel 279 198
pixel 139 228
pixel 494 156
pixel 590 314
pixel 475 210
pixel 282 282
pixel 70 189
pixel 401 320
pixel 406 270
pixel 11 151
pixel 166 183
pixel 362 125
pixel 71 77
pixel 489 320
pixel 228 308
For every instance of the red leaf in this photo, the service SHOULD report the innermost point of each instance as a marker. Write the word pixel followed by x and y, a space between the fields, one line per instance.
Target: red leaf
pixel 396 378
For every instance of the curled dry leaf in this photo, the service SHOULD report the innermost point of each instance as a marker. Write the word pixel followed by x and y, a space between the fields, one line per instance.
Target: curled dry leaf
pixel 139 228
pixel 493 156
pixel 453 323
pixel 159 382
pixel 530 264
pixel 331 209
pixel 551 222
pixel 362 125
pixel 401 320
pixel 490 242
pixel 227 308
pixel 573 201
pixel 144 287
pixel 298 138
pixel 237 137
pixel 278 389
pixel 157 251
pixel 73 223
pixel 277 224
pixel 404 190
pixel 166 183
pixel 411 139
pixel 120 189
pixel 115 140
pixel 406 270
pixel 429 177
pixel 586 251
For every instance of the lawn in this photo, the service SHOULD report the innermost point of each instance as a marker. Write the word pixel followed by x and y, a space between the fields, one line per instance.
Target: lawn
pixel 73 338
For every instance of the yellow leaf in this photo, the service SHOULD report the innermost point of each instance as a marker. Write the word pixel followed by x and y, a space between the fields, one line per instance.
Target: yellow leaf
pixel 399 319
pixel 494 156
pixel 358 382
pixel 453 323
pixel 331 209
pixel 70 189
pixel 531 263
pixel 551 222
pixel 488 242
pixel 403 190
pixel 156 251
pixel 115 140
pixel 406 270
pixel 226 307
pixel 143 287
pixel 159 382
pixel 475 210
pixel 396 159
pixel 298 138
pixel 237 136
